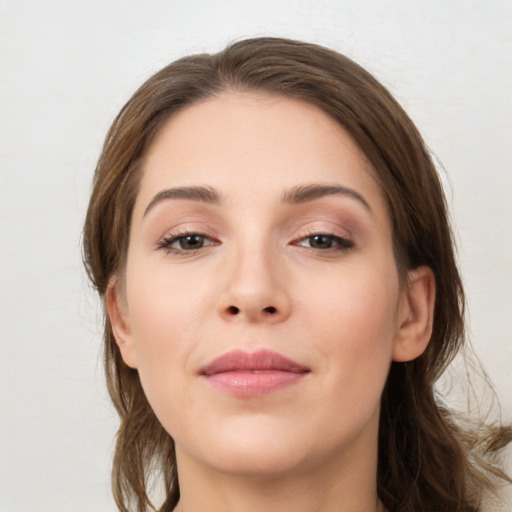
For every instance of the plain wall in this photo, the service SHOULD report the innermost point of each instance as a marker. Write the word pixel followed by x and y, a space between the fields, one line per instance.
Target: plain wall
pixel 66 69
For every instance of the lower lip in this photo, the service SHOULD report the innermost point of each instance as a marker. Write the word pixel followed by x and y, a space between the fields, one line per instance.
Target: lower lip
pixel 254 384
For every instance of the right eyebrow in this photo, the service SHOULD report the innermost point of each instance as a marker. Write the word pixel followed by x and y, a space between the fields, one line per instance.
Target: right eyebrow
pixel 197 193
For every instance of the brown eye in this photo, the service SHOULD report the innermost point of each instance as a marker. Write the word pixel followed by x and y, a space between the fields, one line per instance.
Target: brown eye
pixel 187 242
pixel 320 242
pixel 191 242
pixel 324 242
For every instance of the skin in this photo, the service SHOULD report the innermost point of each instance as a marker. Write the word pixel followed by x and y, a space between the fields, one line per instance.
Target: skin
pixel 261 280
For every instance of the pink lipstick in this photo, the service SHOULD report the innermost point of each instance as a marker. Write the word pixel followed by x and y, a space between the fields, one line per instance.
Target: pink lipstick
pixel 244 375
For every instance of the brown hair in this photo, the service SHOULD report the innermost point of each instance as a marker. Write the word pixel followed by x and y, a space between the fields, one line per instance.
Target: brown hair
pixel 427 460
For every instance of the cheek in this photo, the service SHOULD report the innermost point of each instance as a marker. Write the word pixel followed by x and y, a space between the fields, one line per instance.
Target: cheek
pixel 167 316
pixel 355 324
pixel 165 306
pixel 355 300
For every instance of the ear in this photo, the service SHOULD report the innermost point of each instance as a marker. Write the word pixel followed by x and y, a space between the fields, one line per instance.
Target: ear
pixel 117 311
pixel 416 315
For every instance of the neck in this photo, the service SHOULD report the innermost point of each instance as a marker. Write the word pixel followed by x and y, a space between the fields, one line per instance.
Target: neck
pixel 335 487
pixel 278 497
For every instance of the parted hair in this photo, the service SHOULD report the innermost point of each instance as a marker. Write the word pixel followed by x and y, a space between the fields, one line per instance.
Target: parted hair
pixel 428 460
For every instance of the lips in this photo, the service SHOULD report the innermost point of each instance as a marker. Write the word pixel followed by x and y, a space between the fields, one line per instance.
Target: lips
pixel 243 374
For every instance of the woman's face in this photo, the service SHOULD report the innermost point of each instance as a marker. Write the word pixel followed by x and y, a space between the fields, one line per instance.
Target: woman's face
pixel 261 303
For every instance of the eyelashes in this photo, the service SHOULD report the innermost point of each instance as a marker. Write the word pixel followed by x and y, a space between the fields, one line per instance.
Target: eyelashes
pixel 190 243
pixel 325 242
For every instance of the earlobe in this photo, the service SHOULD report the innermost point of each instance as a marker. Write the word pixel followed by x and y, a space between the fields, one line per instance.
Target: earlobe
pixel 117 311
pixel 416 315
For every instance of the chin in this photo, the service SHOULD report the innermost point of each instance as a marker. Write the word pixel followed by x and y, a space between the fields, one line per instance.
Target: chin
pixel 263 447
pixel 249 447
pixel 254 461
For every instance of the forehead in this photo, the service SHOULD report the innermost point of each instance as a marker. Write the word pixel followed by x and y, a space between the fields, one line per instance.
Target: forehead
pixel 257 142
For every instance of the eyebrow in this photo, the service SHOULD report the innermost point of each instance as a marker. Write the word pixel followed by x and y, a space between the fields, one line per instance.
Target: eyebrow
pixel 305 193
pixel 202 194
pixel 296 195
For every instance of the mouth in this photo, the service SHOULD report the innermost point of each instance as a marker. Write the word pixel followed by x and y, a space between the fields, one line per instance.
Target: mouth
pixel 244 375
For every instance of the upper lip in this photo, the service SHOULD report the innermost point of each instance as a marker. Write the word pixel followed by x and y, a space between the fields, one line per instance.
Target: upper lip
pixel 261 360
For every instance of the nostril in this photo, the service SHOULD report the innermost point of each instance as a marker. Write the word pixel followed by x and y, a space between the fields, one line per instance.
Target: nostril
pixel 233 310
pixel 270 309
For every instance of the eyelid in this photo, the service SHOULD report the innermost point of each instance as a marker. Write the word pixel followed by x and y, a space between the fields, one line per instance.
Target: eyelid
pixel 343 242
pixel 186 226
pixel 321 227
pixel 166 241
pixel 342 238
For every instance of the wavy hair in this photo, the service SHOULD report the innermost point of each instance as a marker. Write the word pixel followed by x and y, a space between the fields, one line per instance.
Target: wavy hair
pixel 428 461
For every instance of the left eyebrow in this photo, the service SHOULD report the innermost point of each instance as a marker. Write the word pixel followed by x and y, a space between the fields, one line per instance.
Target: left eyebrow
pixel 304 193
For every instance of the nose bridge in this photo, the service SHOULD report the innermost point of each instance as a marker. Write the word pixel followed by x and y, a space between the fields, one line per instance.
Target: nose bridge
pixel 255 289
pixel 253 272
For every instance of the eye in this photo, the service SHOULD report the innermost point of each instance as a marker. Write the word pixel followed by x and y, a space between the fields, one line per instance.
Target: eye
pixel 186 242
pixel 325 242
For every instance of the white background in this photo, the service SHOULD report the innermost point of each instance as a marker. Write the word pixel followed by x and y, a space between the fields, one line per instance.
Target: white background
pixel 68 66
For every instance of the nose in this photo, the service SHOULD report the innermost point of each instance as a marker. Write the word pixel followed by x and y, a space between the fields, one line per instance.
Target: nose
pixel 255 290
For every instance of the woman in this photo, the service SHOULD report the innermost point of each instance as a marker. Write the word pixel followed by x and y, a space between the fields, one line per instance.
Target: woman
pixel 270 238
